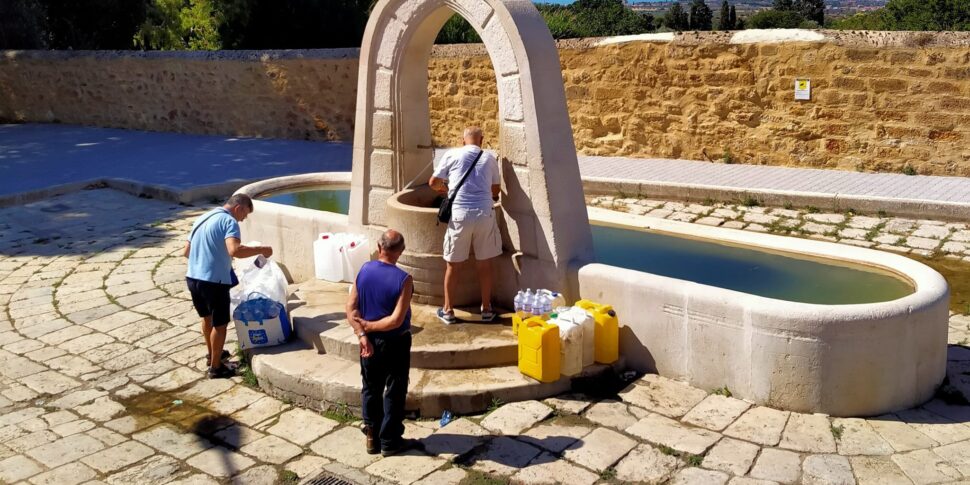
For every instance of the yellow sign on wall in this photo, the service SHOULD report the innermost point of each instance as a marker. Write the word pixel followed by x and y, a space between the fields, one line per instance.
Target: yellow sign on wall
pixel 803 89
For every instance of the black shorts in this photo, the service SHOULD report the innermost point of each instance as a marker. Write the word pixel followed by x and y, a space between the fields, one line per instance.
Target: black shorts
pixel 210 299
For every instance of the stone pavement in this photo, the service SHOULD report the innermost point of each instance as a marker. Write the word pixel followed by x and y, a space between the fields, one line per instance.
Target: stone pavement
pixel 922 237
pixel 101 382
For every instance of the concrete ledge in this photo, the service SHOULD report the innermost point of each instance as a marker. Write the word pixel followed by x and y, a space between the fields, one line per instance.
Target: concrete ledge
pixel 920 209
pixel 842 360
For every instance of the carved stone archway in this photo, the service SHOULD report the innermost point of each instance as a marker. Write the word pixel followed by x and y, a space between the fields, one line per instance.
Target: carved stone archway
pixel 545 221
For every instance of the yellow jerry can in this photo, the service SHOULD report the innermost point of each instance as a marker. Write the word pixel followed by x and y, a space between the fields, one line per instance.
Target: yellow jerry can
pixel 539 349
pixel 607 332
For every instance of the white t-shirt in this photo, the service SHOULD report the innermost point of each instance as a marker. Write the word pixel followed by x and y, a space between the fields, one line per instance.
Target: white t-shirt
pixel 476 192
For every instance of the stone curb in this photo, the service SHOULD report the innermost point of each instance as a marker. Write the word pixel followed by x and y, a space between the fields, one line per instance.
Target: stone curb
pixel 920 209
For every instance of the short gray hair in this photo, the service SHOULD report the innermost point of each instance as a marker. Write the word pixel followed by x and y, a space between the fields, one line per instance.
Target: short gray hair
pixel 473 131
pixel 240 199
pixel 391 241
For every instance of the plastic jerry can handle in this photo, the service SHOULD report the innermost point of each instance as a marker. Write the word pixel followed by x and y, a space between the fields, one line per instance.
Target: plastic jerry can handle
pixel 534 323
pixel 611 313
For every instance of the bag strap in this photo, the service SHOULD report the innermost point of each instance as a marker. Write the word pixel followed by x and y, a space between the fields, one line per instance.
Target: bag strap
pixel 451 200
pixel 203 221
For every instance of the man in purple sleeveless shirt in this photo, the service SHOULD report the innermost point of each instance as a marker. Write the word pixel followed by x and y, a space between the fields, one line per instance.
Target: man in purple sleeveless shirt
pixel 379 310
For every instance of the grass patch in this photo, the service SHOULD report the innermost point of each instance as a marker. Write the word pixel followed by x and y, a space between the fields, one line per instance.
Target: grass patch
pixel 812 209
pixel 909 170
pixel 875 231
pixel 476 477
pixel 494 404
pixel 340 413
pixel 690 459
pixel 837 431
pixel 608 474
pixel 727 157
pixel 749 201
pixel 788 205
pixel 289 477
pixel 246 369
pixel 724 391
pixel 694 460
pixel 881 213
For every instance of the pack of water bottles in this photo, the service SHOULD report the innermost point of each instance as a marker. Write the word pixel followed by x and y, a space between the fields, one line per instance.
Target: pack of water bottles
pixel 541 303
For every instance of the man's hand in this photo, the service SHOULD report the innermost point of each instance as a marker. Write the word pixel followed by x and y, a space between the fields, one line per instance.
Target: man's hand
pixel 438 185
pixel 366 349
pixel 266 251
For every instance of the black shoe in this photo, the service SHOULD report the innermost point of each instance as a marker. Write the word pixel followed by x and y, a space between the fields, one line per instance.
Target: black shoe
pixel 398 446
pixel 222 372
pixel 448 318
pixel 372 445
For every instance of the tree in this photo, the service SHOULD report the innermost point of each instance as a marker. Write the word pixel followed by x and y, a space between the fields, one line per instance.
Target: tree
pixel 180 24
pixel 724 17
pixel 701 16
pixel 22 25
pixel 912 15
pixel 457 31
pixel 775 19
pixel 676 18
pixel 734 20
pixel 783 5
pixel 813 10
pixel 608 17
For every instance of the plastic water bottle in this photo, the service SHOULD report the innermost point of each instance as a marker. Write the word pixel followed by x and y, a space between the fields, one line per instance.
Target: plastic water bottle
pixel 517 302
pixel 546 306
pixel 537 305
pixel 527 299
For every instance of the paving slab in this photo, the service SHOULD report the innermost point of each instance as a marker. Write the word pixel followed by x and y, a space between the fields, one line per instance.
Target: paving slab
pixel 613 414
pixel 647 464
pixel 257 475
pixel 455 439
pixel 554 437
pixel 569 403
pixel 760 425
pixel 301 426
pixel 731 456
pixel 18 467
pixel 503 456
pixel 512 419
pixel 925 467
pixel 716 412
pixel 957 455
pixel 900 435
pixel 548 469
pixel 169 439
pixel 406 468
pixel 827 470
pixel 220 462
pixel 599 449
pixel 345 445
pixel 272 449
pixel 877 470
pixel 663 396
pixel 451 476
pixel 858 438
pixel 937 427
pixel 808 433
pixel 665 431
pixel 118 457
pixel 777 465
pixel 697 476
pixel 70 474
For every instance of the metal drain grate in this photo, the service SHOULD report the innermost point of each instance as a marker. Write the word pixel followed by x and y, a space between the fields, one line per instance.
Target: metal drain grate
pixel 328 479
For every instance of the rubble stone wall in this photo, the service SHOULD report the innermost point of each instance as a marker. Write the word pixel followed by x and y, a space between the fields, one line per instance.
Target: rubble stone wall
pixel 889 102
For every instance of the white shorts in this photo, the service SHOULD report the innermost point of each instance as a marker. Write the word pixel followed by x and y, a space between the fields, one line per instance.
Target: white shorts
pixel 472 228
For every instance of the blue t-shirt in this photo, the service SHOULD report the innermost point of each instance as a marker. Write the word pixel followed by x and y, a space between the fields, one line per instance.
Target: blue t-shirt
pixel 209 259
pixel 379 285
pixel 476 193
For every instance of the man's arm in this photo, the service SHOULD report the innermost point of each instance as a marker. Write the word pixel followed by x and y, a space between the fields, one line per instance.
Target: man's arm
pixel 188 247
pixel 238 250
pixel 396 318
pixel 353 318
pixel 438 185
pixel 496 189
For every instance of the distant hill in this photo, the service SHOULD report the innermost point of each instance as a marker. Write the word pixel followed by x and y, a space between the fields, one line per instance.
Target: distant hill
pixel 833 8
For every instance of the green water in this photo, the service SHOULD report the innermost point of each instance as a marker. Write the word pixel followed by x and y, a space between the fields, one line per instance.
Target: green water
pixel 333 200
pixel 734 268
pixel 745 270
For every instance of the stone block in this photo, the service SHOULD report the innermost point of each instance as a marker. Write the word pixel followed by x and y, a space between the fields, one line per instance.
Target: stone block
pixel 664 431
pixel 716 412
pixel 220 462
pixel 697 476
pixel 271 449
pixel 828 470
pixel 858 438
pixel 599 449
pixel 808 433
pixel 877 470
pixel 662 395
pixel 409 467
pixel 345 445
pixel 731 456
pixel 516 417
pixel 549 469
pixel 759 425
pixel 302 426
pixel 503 456
pixel 924 467
pixel 65 450
pixel 118 457
pixel 18 467
pixel 778 465
pixel 613 414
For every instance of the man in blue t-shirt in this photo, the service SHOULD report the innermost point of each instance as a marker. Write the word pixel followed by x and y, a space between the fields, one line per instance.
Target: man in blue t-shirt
pixel 473 224
pixel 213 242
pixel 379 310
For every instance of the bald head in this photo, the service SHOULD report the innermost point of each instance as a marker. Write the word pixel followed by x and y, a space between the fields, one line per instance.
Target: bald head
pixel 391 242
pixel 473 136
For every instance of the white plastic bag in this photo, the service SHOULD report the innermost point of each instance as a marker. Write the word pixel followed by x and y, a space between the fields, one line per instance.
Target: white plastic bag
pixel 258 303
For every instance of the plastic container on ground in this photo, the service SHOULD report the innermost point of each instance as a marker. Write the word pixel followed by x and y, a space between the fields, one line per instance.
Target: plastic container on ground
pixel 584 319
pixel 539 352
pixel 327 261
pixel 356 252
pixel 555 297
pixel 570 346
pixel 607 334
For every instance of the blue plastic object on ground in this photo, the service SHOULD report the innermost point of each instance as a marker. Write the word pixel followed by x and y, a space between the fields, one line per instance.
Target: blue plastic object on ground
pixel 446 417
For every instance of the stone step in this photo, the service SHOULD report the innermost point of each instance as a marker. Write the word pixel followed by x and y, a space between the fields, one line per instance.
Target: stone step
pixel 299 373
pixel 319 320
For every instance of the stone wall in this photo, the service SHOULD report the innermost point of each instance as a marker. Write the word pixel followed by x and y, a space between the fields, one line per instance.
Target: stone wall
pixel 302 95
pixel 891 102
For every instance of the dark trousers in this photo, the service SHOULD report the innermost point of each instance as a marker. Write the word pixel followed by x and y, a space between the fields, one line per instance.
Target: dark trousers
pixel 385 377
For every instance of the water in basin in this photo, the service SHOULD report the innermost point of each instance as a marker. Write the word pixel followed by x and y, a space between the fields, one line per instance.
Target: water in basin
pixel 328 200
pixel 746 270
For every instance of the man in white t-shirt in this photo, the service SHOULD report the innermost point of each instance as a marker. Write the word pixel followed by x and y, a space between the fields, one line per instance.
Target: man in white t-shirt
pixel 473 224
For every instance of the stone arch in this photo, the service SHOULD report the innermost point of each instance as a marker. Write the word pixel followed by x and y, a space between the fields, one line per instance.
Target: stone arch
pixel 545 220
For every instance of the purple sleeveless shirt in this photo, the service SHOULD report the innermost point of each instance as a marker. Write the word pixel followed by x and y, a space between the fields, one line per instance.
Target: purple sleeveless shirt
pixel 379 286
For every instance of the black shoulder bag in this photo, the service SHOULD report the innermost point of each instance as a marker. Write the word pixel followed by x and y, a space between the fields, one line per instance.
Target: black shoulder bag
pixel 444 211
